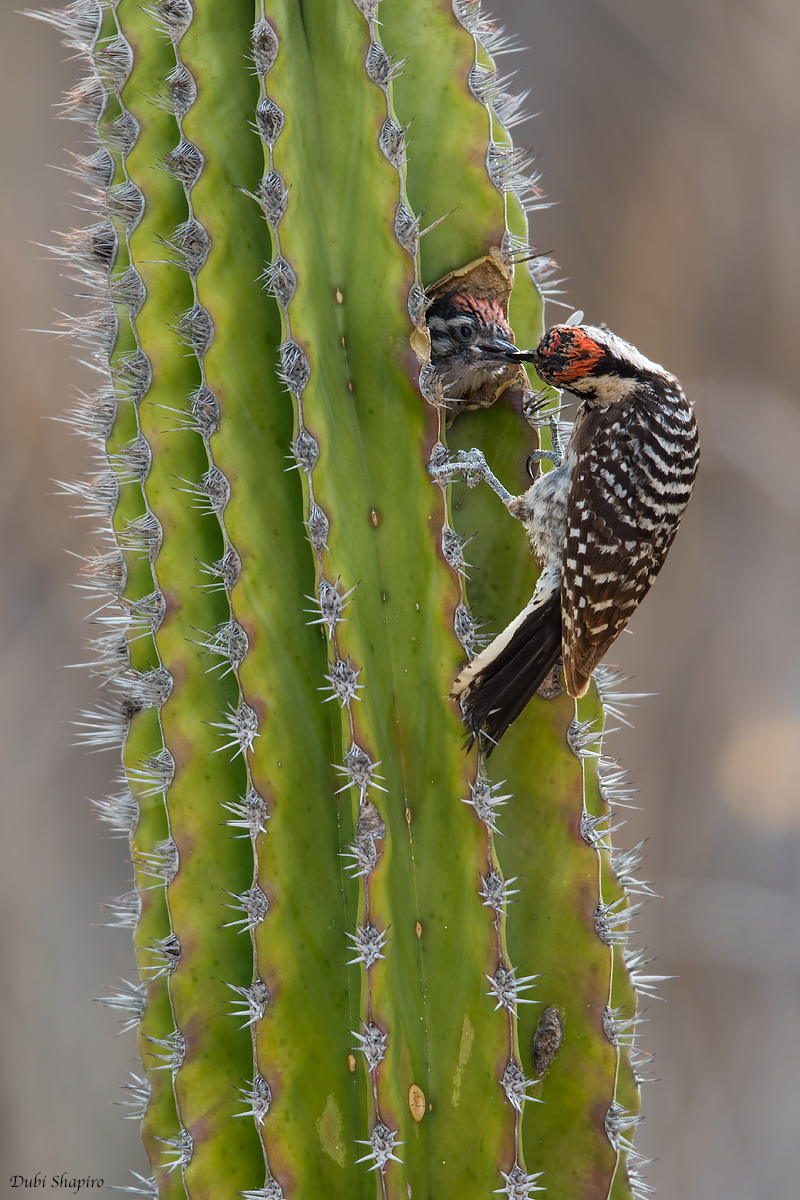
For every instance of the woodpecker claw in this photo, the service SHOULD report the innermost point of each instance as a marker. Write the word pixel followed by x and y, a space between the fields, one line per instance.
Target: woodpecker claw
pixel 472 464
pixel 548 455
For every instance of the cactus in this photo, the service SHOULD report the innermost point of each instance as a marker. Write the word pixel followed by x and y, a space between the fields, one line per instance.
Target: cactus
pixel 334 993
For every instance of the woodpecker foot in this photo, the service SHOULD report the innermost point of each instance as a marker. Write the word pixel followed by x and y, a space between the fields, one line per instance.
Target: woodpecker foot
pixel 547 455
pixel 555 441
pixel 472 464
pixel 556 455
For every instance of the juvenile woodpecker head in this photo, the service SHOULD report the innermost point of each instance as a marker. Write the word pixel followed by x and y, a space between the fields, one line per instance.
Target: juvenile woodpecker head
pixel 593 363
pixel 471 341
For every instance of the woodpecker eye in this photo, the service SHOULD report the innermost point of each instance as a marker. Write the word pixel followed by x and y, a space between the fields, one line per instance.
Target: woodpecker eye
pixel 465 332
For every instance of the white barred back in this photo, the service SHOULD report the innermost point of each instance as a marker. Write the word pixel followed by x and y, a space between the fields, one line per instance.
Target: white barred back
pixel 635 466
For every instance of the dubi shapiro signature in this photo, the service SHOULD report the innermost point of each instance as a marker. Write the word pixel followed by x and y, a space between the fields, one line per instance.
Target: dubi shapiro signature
pixel 69 1183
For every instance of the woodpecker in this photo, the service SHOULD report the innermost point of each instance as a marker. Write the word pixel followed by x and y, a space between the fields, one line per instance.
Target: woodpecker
pixel 471 342
pixel 600 522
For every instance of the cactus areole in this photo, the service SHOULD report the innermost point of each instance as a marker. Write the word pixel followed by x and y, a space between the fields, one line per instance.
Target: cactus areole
pixel 347 983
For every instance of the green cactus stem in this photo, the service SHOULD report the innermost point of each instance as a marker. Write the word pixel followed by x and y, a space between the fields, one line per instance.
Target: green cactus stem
pixel 349 983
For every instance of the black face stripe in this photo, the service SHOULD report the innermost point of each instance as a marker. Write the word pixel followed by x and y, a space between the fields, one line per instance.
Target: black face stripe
pixel 456 307
pixel 454 326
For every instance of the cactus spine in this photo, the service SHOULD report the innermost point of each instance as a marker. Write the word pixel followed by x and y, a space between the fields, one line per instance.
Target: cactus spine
pixel 333 997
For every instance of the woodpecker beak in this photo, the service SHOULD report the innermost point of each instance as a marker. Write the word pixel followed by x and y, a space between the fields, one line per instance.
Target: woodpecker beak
pixel 500 348
pixel 518 356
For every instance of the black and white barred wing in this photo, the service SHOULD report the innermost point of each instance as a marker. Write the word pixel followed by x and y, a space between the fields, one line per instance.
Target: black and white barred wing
pixel 633 476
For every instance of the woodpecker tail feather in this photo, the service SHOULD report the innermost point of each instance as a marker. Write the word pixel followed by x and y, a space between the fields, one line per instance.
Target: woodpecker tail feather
pixel 497 685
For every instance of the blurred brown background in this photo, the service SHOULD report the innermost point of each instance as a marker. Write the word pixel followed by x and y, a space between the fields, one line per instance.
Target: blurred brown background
pixel 669 140
pixel 60 1066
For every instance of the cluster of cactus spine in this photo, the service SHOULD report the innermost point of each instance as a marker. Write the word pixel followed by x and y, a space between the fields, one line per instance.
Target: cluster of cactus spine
pixel 333 996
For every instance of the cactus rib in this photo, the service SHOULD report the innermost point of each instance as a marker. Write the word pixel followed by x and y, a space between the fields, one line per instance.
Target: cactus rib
pixel 363 962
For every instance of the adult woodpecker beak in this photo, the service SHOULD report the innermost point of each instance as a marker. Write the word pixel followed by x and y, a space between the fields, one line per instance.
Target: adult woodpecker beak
pixel 518 356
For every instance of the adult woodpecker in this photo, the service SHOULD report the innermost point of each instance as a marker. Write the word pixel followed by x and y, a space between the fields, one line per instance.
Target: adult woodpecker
pixel 600 523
